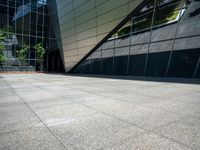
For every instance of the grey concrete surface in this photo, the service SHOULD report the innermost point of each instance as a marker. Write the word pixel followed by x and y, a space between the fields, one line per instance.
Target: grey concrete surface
pixel 57 112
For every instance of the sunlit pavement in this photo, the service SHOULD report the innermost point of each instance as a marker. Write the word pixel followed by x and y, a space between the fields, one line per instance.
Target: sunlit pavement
pixel 57 112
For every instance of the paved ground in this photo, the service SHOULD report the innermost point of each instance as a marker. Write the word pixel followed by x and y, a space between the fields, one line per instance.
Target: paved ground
pixel 57 112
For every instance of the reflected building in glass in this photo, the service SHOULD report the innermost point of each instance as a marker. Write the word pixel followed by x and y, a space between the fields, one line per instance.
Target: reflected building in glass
pixel 26 22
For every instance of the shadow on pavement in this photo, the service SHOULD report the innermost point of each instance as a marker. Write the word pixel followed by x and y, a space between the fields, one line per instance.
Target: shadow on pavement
pixel 140 78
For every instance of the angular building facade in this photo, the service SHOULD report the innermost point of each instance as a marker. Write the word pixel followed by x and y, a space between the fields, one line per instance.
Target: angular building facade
pixel 84 23
pixel 111 37
pixel 161 39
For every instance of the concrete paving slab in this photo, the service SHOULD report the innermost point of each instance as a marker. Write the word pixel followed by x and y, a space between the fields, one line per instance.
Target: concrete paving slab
pixel 30 139
pixel 53 111
pixel 183 109
pixel 10 100
pixel 144 117
pixel 149 141
pixel 16 117
pixel 6 93
pixel 71 110
pixel 97 131
pixel 185 131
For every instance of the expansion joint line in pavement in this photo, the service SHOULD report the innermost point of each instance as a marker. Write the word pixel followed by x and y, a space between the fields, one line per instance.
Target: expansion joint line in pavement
pixel 36 115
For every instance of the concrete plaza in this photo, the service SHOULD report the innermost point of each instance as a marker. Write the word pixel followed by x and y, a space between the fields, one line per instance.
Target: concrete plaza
pixel 57 112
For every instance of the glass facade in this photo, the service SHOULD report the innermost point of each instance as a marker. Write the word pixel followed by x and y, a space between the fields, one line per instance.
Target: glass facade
pixel 25 22
pixel 161 40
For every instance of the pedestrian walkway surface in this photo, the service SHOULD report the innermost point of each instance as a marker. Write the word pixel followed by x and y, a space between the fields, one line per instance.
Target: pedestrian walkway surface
pixel 60 112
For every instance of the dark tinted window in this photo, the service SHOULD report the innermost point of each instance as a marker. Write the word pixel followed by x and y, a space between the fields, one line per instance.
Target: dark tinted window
pixel 183 63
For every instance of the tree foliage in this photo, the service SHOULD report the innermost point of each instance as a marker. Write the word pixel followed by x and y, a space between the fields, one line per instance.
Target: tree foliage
pixel 2 47
pixel 22 54
pixel 2 59
pixel 40 51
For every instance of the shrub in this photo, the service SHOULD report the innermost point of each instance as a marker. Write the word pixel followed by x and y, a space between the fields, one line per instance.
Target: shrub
pixel 22 54
pixel 40 51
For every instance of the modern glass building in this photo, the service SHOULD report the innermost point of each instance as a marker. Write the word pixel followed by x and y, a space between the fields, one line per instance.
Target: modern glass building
pixel 161 39
pixel 26 22
pixel 111 37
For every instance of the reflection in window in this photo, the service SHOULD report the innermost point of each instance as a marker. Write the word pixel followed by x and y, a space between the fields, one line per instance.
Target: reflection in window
pixel 165 46
pixel 23 23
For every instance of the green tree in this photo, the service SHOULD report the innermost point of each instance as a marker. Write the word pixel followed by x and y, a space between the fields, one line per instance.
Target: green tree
pixel 2 47
pixel 22 54
pixel 40 52
pixel 2 57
